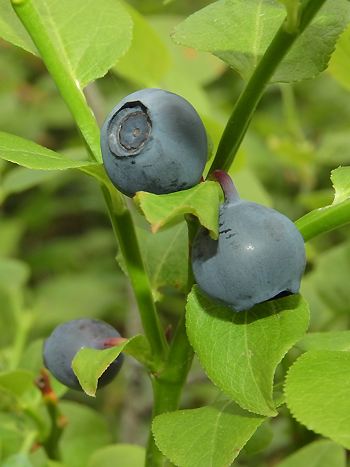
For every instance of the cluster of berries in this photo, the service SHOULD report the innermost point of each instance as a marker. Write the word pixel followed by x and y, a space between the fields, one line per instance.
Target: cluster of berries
pixel 155 141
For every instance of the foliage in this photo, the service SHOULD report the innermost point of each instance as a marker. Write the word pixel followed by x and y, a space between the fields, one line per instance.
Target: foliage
pixel 263 385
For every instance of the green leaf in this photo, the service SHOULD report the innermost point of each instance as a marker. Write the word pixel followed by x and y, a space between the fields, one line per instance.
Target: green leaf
pixel 341 182
pixel 33 156
pixel 239 32
pixel 332 340
pixel 89 40
pixel 90 364
pixel 131 455
pixel 166 256
pixel 85 432
pixel 12 30
pixel 201 201
pixel 322 453
pixel 317 393
pixel 210 436
pixel 240 351
pixel 339 65
pixel 148 58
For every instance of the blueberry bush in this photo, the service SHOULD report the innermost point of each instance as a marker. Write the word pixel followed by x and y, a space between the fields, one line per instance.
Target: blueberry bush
pixel 150 316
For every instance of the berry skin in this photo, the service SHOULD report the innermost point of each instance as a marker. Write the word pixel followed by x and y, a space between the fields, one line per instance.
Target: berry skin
pixel 154 141
pixel 259 253
pixel 68 338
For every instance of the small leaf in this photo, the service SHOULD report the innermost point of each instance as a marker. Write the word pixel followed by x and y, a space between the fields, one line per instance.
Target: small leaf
pixel 341 182
pixel 202 201
pixel 332 340
pixel 210 436
pixel 240 351
pixel 322 453
pixel 239 32
pixel 33 156
pixel 89 364
pixel 131 455
pixel 317 393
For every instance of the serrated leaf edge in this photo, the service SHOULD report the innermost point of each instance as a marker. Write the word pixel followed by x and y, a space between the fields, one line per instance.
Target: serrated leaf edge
pixel 308 426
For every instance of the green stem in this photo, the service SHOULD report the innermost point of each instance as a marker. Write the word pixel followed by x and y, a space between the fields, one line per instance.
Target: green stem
pixel 51 444
pixel 124 231
pixel 167 385
pixel 62 73
pixel 324 220
pixel 58 65
pixel 246 104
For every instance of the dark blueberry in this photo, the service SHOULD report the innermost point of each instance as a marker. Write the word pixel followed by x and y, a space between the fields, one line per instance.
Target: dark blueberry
pixel 259 254
pixel 68 338
pixel 154 141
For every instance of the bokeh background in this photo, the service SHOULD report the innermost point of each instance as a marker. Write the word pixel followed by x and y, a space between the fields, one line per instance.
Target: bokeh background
pixel 57 251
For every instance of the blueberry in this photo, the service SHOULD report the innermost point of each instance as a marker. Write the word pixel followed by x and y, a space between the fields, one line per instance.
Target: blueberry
pixel 259 253
pixel 154 141
pixel 68 338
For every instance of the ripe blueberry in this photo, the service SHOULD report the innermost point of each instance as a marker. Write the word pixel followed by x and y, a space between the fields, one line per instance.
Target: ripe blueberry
pixel 259 253
pixel 154 141
pixel 68 338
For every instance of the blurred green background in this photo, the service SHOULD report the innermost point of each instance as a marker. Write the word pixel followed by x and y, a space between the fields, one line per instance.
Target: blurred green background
pixel 57 251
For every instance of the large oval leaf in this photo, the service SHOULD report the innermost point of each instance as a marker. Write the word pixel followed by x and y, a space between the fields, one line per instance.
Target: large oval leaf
pixel 317 393
pixel 33 156
pixel 88 36
pixel 239 32
pixel 211 436
pixel 240 351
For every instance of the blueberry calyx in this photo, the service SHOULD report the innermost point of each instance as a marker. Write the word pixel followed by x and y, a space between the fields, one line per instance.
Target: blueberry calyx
pixel 129 130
